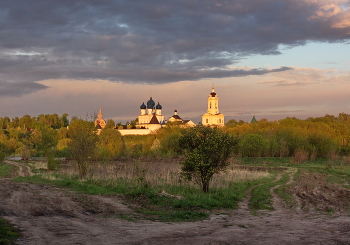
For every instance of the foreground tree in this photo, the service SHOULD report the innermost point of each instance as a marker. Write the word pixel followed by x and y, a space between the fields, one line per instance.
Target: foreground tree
pixel 207 151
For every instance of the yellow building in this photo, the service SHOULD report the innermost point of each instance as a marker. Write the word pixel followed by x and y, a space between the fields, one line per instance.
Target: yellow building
pixel 178 120
pixel 213 117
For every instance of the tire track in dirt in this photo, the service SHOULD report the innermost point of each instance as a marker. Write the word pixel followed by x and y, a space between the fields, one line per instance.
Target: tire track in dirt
pixel 277 203
pixel 244 204
pixel 22 170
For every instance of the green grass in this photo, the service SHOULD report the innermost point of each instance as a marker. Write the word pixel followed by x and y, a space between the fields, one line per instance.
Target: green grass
pixel 287 198
pixel 193 205
pixel 87 187
pixel 5 169
pixel 8 234
pixel 261 197
pixel 338 173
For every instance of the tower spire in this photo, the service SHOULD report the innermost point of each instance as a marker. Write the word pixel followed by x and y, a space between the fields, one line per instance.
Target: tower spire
pixel 100 114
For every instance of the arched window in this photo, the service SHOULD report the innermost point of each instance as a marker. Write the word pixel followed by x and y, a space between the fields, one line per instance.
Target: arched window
pixel 210 105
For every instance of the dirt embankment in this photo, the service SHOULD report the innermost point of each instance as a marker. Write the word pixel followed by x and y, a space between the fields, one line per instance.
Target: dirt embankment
pixel 49 215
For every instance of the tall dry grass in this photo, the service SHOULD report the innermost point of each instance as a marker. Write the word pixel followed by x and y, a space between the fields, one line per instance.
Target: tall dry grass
pixel 158 173
pixel 300 156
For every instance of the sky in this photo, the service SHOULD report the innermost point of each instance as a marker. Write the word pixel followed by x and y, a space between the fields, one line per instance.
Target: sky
pixel 267 58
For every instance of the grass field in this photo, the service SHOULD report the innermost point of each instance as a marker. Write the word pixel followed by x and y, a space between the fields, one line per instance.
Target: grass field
pixel 5 169
pixel 8 234
pixel 156 190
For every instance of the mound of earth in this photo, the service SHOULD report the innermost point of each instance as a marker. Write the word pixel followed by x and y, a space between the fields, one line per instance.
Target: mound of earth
pixel 313 191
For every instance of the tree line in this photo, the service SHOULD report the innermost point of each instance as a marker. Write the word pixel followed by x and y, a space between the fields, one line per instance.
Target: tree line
pixel 54 135
pixel 315 137
pixel 205 150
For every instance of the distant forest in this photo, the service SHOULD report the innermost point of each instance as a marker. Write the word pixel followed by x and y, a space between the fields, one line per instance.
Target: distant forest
pixel 57 136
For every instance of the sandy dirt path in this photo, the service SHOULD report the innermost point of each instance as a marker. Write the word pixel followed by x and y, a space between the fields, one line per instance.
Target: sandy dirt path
pixel 49 215
pixel 21 169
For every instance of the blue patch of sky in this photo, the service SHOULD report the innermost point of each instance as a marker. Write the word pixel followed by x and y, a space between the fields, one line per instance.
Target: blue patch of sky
pixel 316 55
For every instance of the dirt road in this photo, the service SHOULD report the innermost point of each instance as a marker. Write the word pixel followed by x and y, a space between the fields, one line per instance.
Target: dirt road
pixel 49 215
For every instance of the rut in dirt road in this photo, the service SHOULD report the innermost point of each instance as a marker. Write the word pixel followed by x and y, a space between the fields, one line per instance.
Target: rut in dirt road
pixel 22 170
pixel 277 203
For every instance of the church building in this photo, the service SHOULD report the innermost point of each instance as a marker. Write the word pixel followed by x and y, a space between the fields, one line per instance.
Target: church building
pixel 150 115
pixel 213 117
pixel 178 120
pixel 100 123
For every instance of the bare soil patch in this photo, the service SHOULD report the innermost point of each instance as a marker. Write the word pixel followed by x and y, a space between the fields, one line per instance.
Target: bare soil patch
pixel 314 192
pixel 50 215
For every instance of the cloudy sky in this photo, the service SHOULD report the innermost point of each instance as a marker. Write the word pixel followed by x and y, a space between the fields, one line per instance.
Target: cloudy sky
pixel 266 57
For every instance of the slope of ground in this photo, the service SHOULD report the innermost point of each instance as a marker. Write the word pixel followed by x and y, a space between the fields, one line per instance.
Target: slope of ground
pixel 49 215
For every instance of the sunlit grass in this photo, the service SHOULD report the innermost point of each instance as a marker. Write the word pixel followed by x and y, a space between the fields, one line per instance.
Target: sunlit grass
pixel 5 169
pixel 142 182
pixel 159 191
pixel 261 196
pixel 8 234
pixel 158 173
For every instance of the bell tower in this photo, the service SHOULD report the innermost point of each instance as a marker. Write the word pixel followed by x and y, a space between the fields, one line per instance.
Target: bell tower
pixel 213 102
pixel 213 117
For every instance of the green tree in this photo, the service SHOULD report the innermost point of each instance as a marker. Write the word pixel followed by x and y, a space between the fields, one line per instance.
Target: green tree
pixel 252 145
pixel 11 144
pixel 110 144
pixel 44 138
pixel 26 121
pixel 4 122
pixel 110 124
pixel 82 146
pixel 14 123
pixel 293 139
pixel 64 120
pixel 322 142
pixel 134 122
pixel 207 151
pixel 53 120
pixel 62 133
pixel 4 151
pixel 168 137
pixel 233 123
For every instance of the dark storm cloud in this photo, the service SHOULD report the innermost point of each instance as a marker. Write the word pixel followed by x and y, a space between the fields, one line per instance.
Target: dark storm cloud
pixel 17 89
pixel 155 41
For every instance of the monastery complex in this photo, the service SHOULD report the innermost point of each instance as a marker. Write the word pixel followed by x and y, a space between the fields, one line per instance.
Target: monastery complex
pixel 151 117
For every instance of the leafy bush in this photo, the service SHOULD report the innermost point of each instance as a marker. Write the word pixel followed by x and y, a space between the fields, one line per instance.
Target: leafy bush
pixel 207 151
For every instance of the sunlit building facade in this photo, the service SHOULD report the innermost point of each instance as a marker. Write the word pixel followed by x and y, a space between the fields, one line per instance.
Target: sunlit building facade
pixel 213 117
